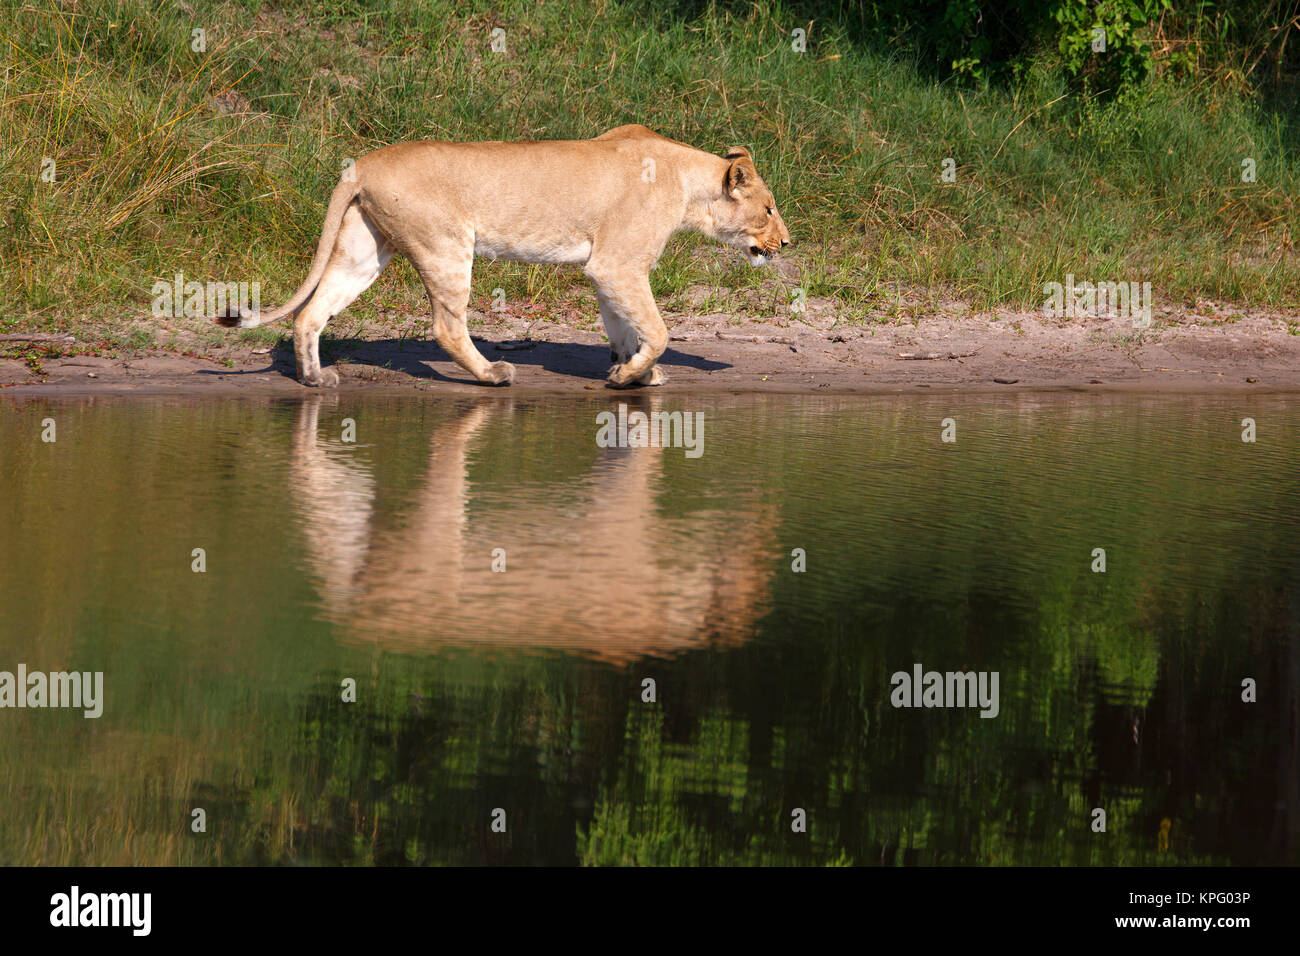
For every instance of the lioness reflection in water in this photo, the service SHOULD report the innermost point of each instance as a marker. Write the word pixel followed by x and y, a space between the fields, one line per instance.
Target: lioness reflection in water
pixel 591 565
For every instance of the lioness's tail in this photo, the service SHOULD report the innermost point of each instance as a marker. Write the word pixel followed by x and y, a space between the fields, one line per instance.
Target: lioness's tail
pixel 344 193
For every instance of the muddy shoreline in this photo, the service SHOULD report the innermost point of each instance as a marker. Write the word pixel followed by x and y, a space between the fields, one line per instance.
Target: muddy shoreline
pixel 987 353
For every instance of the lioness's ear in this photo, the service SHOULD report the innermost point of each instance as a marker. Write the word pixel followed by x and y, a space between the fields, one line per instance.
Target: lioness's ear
pixel 740 173
pixel 737 152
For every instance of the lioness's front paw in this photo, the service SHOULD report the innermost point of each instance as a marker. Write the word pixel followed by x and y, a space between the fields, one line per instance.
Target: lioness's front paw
pixel 500 373
pixel 619 378
pixel 325 378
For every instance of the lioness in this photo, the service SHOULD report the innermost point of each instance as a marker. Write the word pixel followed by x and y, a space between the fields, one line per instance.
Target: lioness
pixel 608 204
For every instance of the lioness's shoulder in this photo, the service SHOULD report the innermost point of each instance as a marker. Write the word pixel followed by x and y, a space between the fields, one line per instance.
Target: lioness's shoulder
pixel 644 134
pixel 631 130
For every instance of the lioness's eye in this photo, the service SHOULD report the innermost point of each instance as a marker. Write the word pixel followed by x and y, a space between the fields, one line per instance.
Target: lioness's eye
pixel 769 210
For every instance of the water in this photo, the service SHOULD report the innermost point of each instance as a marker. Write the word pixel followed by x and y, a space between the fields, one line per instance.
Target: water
pixel 478 690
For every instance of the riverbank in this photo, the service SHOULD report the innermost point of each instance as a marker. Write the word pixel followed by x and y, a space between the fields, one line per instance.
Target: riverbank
pixel 1209 349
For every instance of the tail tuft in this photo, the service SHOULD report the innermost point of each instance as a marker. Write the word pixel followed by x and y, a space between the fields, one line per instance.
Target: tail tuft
pixel 233 318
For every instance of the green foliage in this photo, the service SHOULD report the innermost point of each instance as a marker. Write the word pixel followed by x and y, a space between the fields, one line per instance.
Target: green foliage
pixel 1102 42
pixel 993 41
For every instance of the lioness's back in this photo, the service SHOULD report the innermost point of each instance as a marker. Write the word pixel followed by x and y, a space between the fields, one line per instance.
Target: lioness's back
pixel 536 201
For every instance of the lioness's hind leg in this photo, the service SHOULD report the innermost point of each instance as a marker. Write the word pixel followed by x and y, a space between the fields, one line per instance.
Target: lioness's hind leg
pixel 360 253
pixel 445 272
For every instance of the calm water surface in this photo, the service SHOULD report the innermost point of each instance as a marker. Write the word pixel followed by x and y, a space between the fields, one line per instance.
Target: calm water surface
pixel 377 561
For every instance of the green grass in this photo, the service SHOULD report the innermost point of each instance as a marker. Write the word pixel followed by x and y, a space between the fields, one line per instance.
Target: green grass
pixel 152 179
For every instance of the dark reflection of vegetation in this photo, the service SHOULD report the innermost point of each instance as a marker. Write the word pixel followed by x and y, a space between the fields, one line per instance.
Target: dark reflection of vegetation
pixel 710 774
pixel 1119 691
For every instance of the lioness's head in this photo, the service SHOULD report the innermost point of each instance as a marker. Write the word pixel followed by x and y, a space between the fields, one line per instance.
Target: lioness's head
pixel 746 217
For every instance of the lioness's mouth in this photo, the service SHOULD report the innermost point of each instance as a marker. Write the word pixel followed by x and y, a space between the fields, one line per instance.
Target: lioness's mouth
pixel 755 251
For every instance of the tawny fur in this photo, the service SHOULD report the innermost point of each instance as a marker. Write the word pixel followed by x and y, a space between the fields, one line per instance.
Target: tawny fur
pixel 608 204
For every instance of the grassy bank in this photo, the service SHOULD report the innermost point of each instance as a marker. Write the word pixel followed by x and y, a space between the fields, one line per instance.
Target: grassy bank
pixel 217 164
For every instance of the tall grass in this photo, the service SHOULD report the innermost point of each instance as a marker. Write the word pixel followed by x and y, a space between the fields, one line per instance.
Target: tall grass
pixel 218 164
